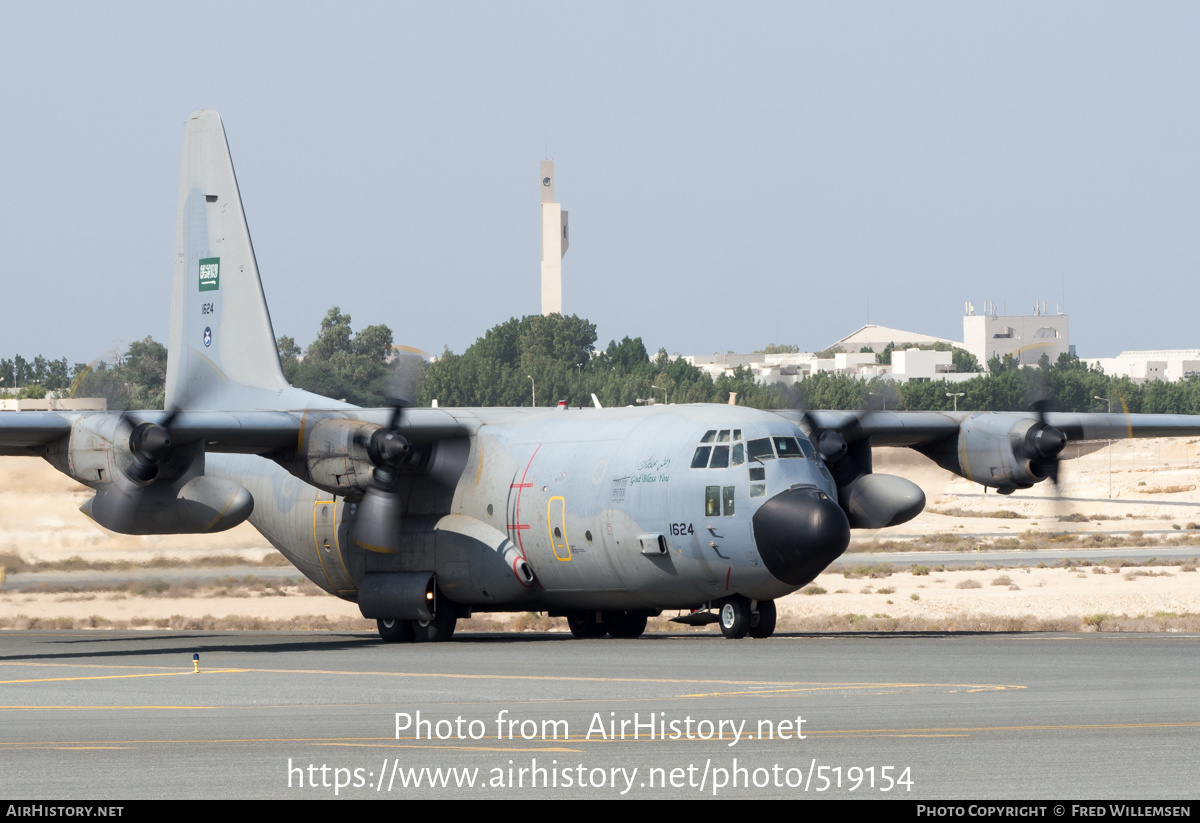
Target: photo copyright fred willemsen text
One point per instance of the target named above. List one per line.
(556, 772)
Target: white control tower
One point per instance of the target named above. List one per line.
(554, 242)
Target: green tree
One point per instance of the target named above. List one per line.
(342, 364)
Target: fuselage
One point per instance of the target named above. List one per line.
(645, 508)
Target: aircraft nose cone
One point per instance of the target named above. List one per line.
(798, 533)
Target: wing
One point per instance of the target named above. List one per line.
(923, 428)
(24, 433)
(1004, 450)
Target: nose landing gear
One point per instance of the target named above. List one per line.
(739, 617)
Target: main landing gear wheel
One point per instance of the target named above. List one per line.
(625, 625)
(395, 631)
(762, 622)
(585, 626)
(735, 617)
(439, 629)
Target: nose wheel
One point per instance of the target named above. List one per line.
(738, 618)
(762, 622)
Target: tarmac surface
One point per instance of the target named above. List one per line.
(121, 715)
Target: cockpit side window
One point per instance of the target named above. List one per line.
(739, 454)
(712, 501)
(760, 449)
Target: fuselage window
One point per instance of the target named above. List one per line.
(700, 458)
(708, 436)
(760, 449)
(727, 500)
(739, 454)
(720, 457)
(788, 447)
(758, 489)
(712, 501)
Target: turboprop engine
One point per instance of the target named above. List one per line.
(1001, 451)
(144, 482)
(871, 501)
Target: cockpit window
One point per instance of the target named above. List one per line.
(700, 458)
(788, 447)
(739, 454)
(708, 436)
(720, 457)
(723, 436)
(760, 449)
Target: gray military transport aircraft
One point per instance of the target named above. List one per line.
(423, 515)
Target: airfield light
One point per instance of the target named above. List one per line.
(196, 662)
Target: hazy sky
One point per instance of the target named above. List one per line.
(736, 174)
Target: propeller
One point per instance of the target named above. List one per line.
(1045, 444)
(382, 510)
(833, 445)
(150, 446)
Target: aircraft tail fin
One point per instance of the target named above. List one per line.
(221, 350)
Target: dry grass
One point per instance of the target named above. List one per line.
(1030, 540)
(229, 586)
(1001, 514)
(15, 564)
(531, 622)
(1166, 489)
(969, 584)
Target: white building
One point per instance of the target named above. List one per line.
(788, 369)
(877, 338)
(1025, 337)
(1169, 365)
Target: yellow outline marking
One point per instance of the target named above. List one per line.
(337, 550)
(550, 529)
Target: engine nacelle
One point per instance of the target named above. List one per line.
(334, 458)
(876, 501)
(158, 490)
(199, 506)
(1004, 452)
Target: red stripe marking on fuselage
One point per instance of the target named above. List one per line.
(727, 574)
(517, 508)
